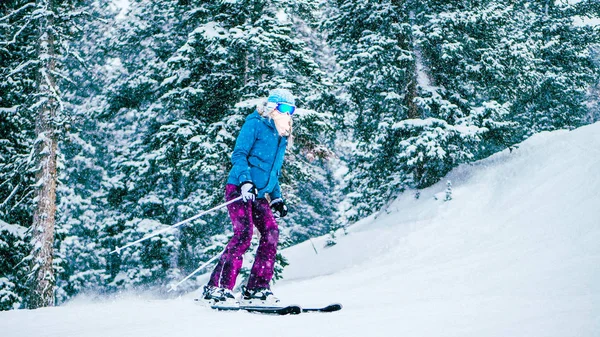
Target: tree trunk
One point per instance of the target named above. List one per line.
(411, 89)
(411, 94)
(42, 274)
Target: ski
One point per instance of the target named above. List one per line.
(329, 308)
(280, 310)
(287, 310)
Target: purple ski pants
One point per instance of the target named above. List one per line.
(244, 216)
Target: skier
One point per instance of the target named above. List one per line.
(257, 159)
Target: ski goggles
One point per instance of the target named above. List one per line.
(283, 108)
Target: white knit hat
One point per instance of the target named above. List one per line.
(281, 96)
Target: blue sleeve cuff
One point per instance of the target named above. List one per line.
(244, 177)
(276, 194)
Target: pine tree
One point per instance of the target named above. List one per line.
(517, 56)
(139, 183)
(16, 137)
(373, 44)
(477, 71)
(38, 24)
(16, 128)
(565, 67)
(39, 41)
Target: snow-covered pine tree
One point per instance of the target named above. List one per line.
(564, 66)
(80, 256)
(448, 191)
(477, 64)
(496, 64)
(373, 45)
(17, 86)
(137, 190)
(16, 125)
(35, 31)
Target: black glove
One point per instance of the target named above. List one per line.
(279, 208)
(248, 191)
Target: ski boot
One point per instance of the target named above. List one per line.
(260, 297)
(219, 297)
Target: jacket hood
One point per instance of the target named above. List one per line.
(266, 120)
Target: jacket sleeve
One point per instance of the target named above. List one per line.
(241, 151)
(276, 192)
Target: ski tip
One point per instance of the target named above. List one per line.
(330, 308)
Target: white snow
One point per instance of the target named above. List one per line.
(585, 21)
(579, 20)
(515, 253)
(122, 6)
(423, 78)
(10, 110)
(14, 230)
(253, 102)
(282, 17)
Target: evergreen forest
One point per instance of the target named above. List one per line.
(118, 119)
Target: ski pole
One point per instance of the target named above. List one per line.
(174, 286)
(175, 225)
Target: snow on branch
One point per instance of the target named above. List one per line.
(16, 230)
(10, 196)
(6, 17)
(14, 39)
(10, 110)
(21, 66)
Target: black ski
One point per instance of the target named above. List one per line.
(287, 310)
(329, 308)
(283, 310)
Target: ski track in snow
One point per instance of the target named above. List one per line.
(515, 253)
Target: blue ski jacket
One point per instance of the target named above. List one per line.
(258, 156)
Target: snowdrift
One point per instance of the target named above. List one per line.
(515, 252)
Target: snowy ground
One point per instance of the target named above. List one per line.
(515, 253)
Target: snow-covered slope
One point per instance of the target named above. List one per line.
(516, 252)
